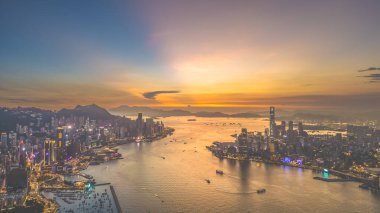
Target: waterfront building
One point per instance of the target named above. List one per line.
(139, 125)
(242, 142)
(272, 121)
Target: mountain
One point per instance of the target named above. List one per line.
(315, 117)
(245, 115)
(147, 111)
(92, 111)
(210, 114)
(152, 112)
(10, 117)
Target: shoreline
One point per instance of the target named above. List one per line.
(115, 199)
(344, 176)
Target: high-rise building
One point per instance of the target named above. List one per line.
(139, 125)
(4, 140)
(47, 151)
(283, 128)
(242, 140)
(59, 145)
(300, 128)
(53, 151)
(290, 125)
(272, 121)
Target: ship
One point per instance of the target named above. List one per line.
(262, 190)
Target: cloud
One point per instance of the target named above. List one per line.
(369, 69)
(153, 94)
(374, 77)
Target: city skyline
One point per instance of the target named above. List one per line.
(292, 54)
(189, 106)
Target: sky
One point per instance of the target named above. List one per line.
(212, 53)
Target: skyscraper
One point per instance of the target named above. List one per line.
(4, 140)
(59, 144)
(139, 125)
(300, 128)
(272, 121)
(47, 151)
(53, 151)
(290, 126)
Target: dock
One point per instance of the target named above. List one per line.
(331, 179)
(115, 199)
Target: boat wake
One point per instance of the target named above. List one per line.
(236, 192)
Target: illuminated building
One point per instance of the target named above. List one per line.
(300, 128)
(60, 146)
(283, 128)
(53, 151)
(242, 140)
(4, 140)
(290, 126)
(47, 151)
(272, 121)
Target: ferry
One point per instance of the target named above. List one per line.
(262, 190)
(220, 172)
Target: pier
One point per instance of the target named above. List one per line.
(115, 199)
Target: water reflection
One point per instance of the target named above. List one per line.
(244, 168)
(179, 180)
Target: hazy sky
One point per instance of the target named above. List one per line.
(242, 53)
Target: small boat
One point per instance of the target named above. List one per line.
(208, 181)
(262, 190)
(219, 172)
(93, 163)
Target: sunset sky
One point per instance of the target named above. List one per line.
(210, 53)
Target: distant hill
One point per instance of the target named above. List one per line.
(9, 117)
(92, 111)
(245, 115)
(316, 117)
(152, 112)
(147, 111)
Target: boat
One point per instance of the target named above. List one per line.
(208, 181)
(262, 190)
(364, 186)
(93, 163)
(192, 119)
(220, 172)
(163, 157)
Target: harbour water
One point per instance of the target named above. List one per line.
(169, 176)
